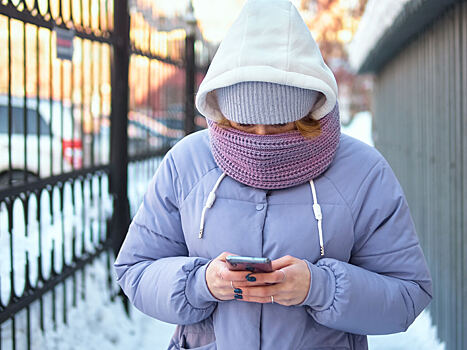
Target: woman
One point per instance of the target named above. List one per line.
(273, 177)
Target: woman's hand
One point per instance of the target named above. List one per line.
(291, 282)
(220, 279)
(217, 275)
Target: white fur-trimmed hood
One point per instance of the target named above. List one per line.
(268, 42)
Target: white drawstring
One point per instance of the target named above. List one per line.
(318, 216)
(209, 203)
(316, 210)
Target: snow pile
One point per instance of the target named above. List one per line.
(421, 335)
(379, 15)
(53, 233)
(95, 324)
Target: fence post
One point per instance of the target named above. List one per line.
(190, 70)
(119, 124)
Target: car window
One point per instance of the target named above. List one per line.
(17, 117)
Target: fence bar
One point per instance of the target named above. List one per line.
(25, 115)
(119, 121)
(51, 181)
(40, 21)
(190, 83)
(10, 119)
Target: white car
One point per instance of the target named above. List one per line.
(50, 153)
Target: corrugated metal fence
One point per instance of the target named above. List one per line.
(420, 126)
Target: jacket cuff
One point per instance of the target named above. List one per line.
(322, 287)
(196, 290)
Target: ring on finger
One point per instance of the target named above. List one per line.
(272, 299)
(231, 284)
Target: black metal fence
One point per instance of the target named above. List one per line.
(87, 110)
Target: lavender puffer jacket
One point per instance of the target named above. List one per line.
(373, 278)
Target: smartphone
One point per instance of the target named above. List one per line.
(248, 263)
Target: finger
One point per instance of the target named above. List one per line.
(228, 290)
(229, 275)
(282, 262)
(243, 284)
(262, 291)
(251, 295)
(223, 255)
(262, 300)
(268, 277)
(267, 300)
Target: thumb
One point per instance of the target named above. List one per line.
(223, 255)
(282, 262)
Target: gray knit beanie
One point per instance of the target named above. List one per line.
(257, 102)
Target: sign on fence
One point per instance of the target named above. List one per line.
(64, 43)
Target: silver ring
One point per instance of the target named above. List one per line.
(272, 299)
(231, 284)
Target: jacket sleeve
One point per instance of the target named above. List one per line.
(386, 283)
(153, 267)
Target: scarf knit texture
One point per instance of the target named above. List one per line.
(278, 160)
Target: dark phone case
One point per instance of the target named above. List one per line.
(250, 266)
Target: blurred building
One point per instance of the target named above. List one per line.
(417, 51)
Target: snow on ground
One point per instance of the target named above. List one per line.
(421, 335)
(95, 324)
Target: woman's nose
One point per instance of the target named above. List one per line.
(260, 130)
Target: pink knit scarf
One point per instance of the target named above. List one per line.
(278, 160)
